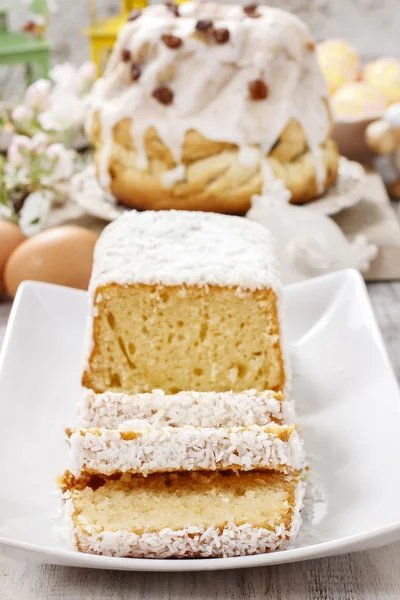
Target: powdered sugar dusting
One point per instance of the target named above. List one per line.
(185, 248)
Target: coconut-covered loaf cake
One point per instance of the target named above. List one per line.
(203, 104)
(184, 301)
(184, 515)
(181, 480)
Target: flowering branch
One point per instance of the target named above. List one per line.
(57, 107)
(33, 177)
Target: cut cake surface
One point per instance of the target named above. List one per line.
(138, 448)
(184, 515)
(184, 301)
(198, 409)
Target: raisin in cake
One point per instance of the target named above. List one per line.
(184, 301)
(203, 105)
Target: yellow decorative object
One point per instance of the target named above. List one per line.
(103, 34)
(384, 73)
(358, 100)
(339, 62)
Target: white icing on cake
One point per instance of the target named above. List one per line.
(168, 178)
(209, 81)
(319, 169)
(198, 409)
(185, 448)
(249, 156)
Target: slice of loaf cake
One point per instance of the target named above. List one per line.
(184, 515)
(184, 301)
(138, 448)
(198, 409)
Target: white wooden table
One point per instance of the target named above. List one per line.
(373, 575)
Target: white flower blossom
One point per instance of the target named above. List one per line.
(67, 111)
(88, 71)
(59, 106)
(62, 161)
(15, 154)
(35, 211)
(55, 120)
(65, 76)
(22, 114)
(86, 75)
(16, 176)
(77, 81)
(33, 163)
(37, 95)
(39, 142)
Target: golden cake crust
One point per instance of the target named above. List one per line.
(215, 179)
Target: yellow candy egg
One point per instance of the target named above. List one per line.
(339, 62)
(384, 74)
(358, 100)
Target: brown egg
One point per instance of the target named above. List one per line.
(10, 237)
(62, 255)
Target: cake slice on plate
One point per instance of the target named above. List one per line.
(199, 409)
(184, 301)
(138, 448)
(184, 515)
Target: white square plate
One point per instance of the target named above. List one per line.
(343, 383)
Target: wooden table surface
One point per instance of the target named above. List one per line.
(372, 575)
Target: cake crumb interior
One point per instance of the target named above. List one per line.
(180, 500)
(176, 338)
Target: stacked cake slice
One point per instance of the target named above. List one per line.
(208, 472)
(134, 448)
(199, 409)
(182, 491)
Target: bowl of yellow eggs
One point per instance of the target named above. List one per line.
(360, 93)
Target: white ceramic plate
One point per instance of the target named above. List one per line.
(345, 388)
(347, 191)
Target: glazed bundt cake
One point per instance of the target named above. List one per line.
(203, 105)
